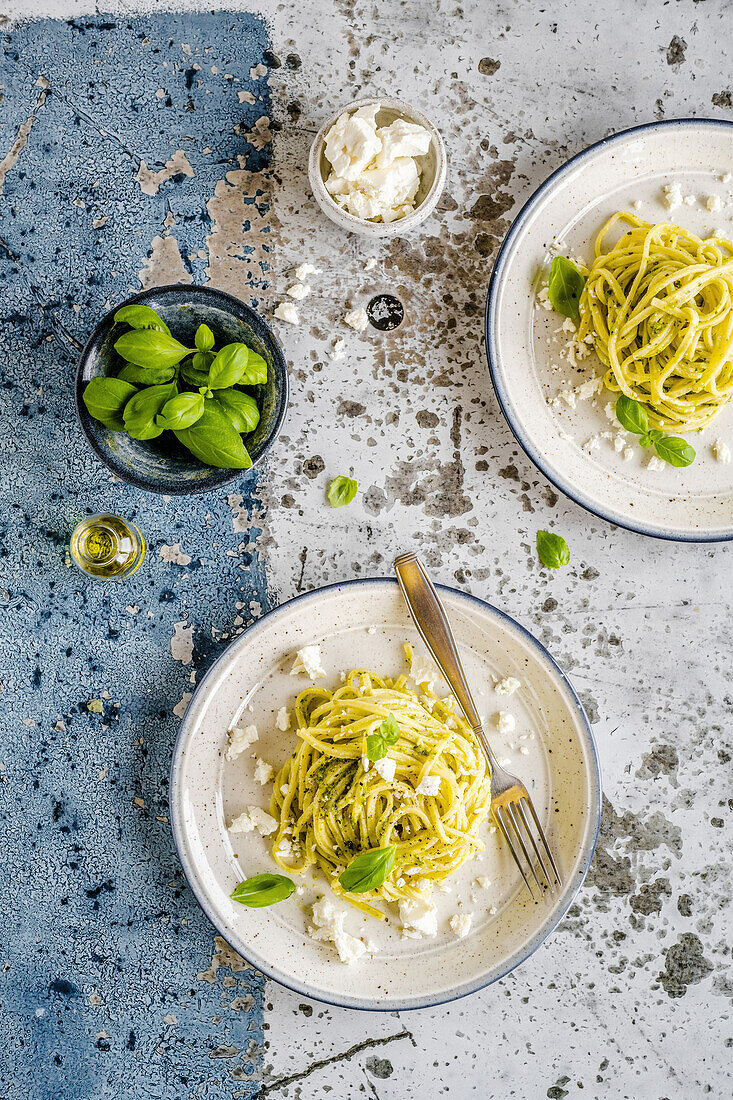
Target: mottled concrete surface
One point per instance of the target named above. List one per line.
(109, 988)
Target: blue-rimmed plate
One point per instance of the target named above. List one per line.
(573, 437)
(363, 624)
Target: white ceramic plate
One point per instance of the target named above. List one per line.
(524, 341)
(251, 681)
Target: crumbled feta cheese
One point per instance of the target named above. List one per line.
(357, 319)
(419, 917)
(507, 686)
(239, 740)
(337, 349)
(721, 451)
(386, 768)
(253, 818)
(328, 927)
(460, 924)
(302, 271)
(725, 178)
(714, 203)
(423, 672)
(429, 785)
(286, 311)
(690, 200)
(308, 660)
(283, 719)
(543, 297)
(655, 463)
(263, 771)
(371, 630)
(365, 762)
(593, 444)
(483, 882)
(505, 722)
(636, 204)
(671, 196)
(298, 291)
(628, 454)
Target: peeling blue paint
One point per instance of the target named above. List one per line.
(107, 939)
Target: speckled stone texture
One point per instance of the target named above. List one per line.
(631, 998)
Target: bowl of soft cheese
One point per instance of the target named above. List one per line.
(377, 167)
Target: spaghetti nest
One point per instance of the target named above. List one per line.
(659, 307)
(330, 807)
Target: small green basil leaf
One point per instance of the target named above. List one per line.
(255, 373)
(195, 371)
(674, 450)
(240, 408)
(565, 287)
(142, 409)
(376, 748)
(147, 376)
(651, 438)
(261, 890)
(341, 491)
(214, 440)
(141, 317)
(389, 730)
(204, 338)
(552, 550)
(368, 871)
(228, 367)
(632, 415)
(105, 399)
(181, 411)
(150, 348)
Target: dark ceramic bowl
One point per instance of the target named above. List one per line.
(163, 465)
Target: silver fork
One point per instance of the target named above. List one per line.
(510, 802)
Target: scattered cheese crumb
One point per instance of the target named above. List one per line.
(308, 661)
(419, 917)
(240, 738)
(721, 451)
(483, 882)
(428, 785)
(655, 463)
(298, 291)
(386, 767)
(254, 817)
(263, 771)
(357, 319)
(507, 686)
(714, 203)
(302, 271)
(460, 924)
(337, 350)
(671, 196)
(328, 927)
(505, 722)
(286, 311)
(283, 719)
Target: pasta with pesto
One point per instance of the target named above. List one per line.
(332, 803)
(658, 306)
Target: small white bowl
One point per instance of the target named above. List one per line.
(432, 168)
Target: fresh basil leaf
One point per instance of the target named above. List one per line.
(255, 373)
(552, 550)
(368, 871)
(214, 440)
(389, 730)
(147, 376)
(264, 889)
(181, 411)
(649, 439)
(565, 287)
(240, 408)
(632, 415)
(195, 371)
(150, 348)
(228, 367)
(137, 316)
(674, 450)
(341, 491)
(376, 748)
(142, 409)
(204, 338)
(105, 399)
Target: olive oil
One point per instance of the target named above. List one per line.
(107, 547)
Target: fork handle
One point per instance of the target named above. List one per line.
(432, 623)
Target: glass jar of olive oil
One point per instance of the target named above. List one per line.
(107, 547)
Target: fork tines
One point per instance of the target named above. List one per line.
(516, 828)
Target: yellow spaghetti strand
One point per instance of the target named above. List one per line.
(330, 807)
(659, 307)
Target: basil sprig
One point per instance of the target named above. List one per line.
(387, 734)
(632, 416)
(262, 890)
(368, 871)
(565, 287)
(552, 549)
(149, 395)
(341, 491)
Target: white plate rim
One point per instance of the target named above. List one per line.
(503, 259)
(418, 1001)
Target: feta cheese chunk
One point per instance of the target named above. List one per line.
(507, 686)
(283, 719)
(654, 464)
(253, 818)
(401, 139)
(328, 927)
(460, 924)
(302, 271)
(428, 785)
(671, 196)
(308, 661)
(714, 204)
(298, 291)
(239, 740)
(351, 143)
(263, 771)
(505, 722)
(357, 319)
(721, 451)
(386, 768)
(286, 311)
(419, 917)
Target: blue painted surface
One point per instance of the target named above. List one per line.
(106, 938)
